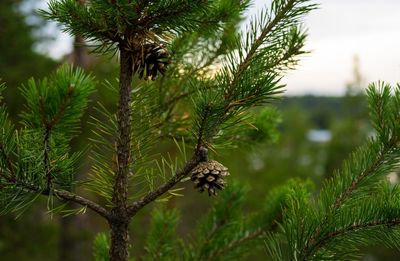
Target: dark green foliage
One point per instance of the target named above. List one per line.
(225, 233)
(18, 60)
(199, 49)
(161, 243)
(217, 229)
(347, 134)
(160, 113)
(37, 158)
(58, 102)
(252, 65)
(101, 247)
(322, 110)
(356, 207)
(265, 125)
(195, 105)
(111, 21)
(250, 76)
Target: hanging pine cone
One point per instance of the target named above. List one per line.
(149, 60)
(209, 176)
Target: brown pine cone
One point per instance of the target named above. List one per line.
(209, 176)
(149, 60)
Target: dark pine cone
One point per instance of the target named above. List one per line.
(209, 176)
(149, 60)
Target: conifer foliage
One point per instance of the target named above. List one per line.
(187, 75)
(355, 208)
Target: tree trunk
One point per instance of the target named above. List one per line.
(80, 55)
(120, 194)
(119, 240)
(119, 222)
(72, 227)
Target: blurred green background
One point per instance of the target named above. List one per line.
(315, 134)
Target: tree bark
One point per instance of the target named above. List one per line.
(124, 127)
(119, 240)
(119, 222)
(80, 55)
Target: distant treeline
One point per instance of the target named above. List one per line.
(323, 110)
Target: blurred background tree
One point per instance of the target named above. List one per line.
(18, 58)
(18, 62)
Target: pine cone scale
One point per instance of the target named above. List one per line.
(209, 176)
(150, 61)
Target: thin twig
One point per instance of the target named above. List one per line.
(46, 157)
(48, 126)
(153, 195)
(69, 196)
(354, 227)
(9, 163)
(63, 194)
(250, 236)
(183, 95)
(63, 107)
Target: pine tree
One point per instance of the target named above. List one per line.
(185, 77)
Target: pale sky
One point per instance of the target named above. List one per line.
(338, 30)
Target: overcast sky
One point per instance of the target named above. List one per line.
(338, 31)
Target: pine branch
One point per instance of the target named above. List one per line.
(351, 206)
(258, 42)
(238, 236)
(160, 242)
(48, 124)
(46, 157)
(284, 11)
(370, 171)
(387, 142)
(355, 227)
(251, 75)
(234, 244)
(249, 236)
(10, 165)
(184, 95)
(378, 162)
(69, 196)
(63, 194)
(153, 195)
(63, 107)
